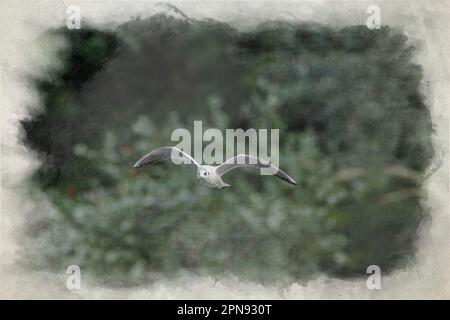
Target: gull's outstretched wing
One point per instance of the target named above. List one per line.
(164, 153)
(243, 160)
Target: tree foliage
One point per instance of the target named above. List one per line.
(354, 130)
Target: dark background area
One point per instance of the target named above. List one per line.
(354, 132)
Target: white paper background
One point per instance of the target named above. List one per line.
(22, 22)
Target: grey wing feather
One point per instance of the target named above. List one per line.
(248, 160)
(164, 153)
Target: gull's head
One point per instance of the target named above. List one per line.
(202, 173)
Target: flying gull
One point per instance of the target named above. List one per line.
(210, 175)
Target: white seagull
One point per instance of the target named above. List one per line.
(210, 176)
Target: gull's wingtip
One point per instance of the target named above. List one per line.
(138, 164)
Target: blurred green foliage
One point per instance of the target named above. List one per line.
(355, 133)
